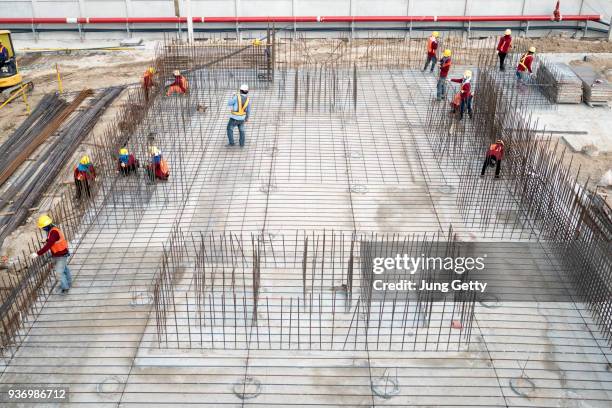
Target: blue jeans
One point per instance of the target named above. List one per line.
(61, 270)
(433, 61)
(522, 76)
(466, 103)
(441, 88)
(230, 131)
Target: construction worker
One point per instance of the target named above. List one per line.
(148, 81)
(241, 109)
(494, 156)
(126, 163)
(432, 46)
(4, 55)
(158, 167)
(466, 93)
(523, 70)
(179, 85)
(84, 173)
(57, 244)
(503, 48)
(445, 66)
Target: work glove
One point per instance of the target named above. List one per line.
(33, 255)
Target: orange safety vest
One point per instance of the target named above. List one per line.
(522, 61)
(241, 109)
(430, 42)
(61, 244)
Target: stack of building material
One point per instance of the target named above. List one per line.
(562, 84)
(595, 86)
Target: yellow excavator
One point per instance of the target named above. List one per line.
(11, 82)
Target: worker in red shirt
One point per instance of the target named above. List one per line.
(432, 47)
(84, 175)
(127, 162)
(445, 66)
(148, 81)
(179, 85)
(465, 92)
(57, 244)
(523, 69)
(494, 156)
(503, 48)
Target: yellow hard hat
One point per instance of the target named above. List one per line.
(177, 72)
(44, 221)
(155, 151)
(532, 49)
(151, 70)
(436, 34)
(257, 41)
(123, 151)
(508, 31)
(85, 160)
(447, 53)
(467, 73)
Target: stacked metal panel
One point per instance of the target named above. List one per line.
(596, 87)
(563, 85)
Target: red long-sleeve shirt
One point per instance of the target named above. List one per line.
(52, 238)
(89, 175)
(525, 63)
(181, 82)
(505, 43)
(466, 87)
(445, 66)
(496, 150)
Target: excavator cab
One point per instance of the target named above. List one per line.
(12, 84)
(9, 73)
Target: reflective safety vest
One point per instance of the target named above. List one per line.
(59, 245)
(241, 108)
(522, 61)
(430, 43)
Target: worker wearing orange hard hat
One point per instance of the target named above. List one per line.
(84, 175)
(57, 244)
(432, 47)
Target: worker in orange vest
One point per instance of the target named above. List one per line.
(494, 156)
(148, 81)
(158, 167)
(523, 70)
(179, 85)
(432, 47)
(84, 175)
(503, 48)
(57, 244)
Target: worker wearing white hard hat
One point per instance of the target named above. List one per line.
(240, 104)
(503, 48)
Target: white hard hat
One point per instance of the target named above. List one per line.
(508, 31)
(244, 87)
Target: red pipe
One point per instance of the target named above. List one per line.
(290, 19)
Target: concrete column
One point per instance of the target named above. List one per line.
(236, 8)
(293, 6)
(408, 11)
(351, 14)
(189, 20)
(128, 13)
(610, 31)
(33, 16)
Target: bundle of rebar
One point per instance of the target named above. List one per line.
(595, 86)
(564, 86)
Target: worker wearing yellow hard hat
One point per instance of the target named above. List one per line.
(432, 47)
(503, 48)
(524, 69)
(57, 244)
(445, 66)
(148, 81)
(84, 176)
(126, 163)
